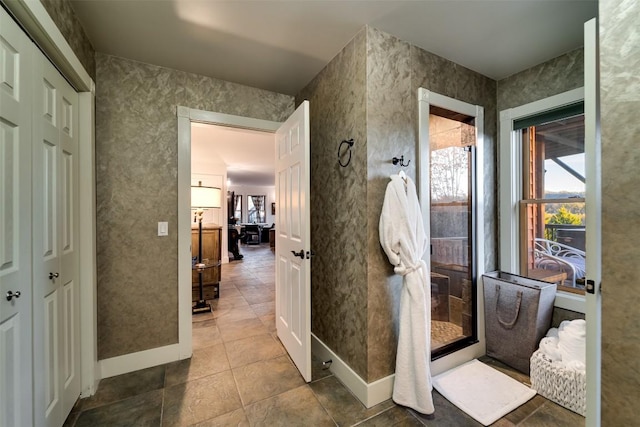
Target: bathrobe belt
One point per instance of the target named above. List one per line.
(404, 270)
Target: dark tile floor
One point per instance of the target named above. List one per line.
(240, 375)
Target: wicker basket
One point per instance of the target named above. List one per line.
(566, 387)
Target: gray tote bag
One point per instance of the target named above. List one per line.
(518, 313)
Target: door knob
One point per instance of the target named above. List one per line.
(53, 275)
(300, 254)
(11, 295)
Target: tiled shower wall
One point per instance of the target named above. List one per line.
(620, 127)
(136, 187)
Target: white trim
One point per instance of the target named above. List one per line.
(370, 394)
(185, 116)
(184, 235)
(593, 148)
(87, 262)
(36, 20)
(570, 301)
(510, 177)
(38, 24)
(425, 99)
(213, 118)
(140, 360)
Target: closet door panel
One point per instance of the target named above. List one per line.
(46, 261)
(55, 266)
(15, 225)
(69, 268)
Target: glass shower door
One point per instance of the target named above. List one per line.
(451, 147)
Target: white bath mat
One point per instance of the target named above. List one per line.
(484, 393)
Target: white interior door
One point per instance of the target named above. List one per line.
(293, 272)
(15, 225)
(56, 341)
(593, 172)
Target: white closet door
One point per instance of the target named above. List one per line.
(15, 225)
(55, 267)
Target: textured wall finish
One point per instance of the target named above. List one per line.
(136, 180)
(555, 76)
(620, 133)
(390, 133)
(339, 205)
(65, 19)
(355, 293)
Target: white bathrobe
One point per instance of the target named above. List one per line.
(404, 241)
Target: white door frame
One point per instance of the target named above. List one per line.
(187, 115)
(594, 221)
(425, 99)
(38, 24)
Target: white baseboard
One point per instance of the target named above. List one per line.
(141, 360)
(370, 394)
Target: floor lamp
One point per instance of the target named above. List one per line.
(203, 198)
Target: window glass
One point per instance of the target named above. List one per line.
(453, 315)
(552, 212)
(255, 209)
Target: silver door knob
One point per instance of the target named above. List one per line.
(53, 275)
(11, 295)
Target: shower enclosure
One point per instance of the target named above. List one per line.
(450, 143)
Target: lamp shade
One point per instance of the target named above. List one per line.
(205, 197)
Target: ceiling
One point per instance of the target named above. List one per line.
(280, 45)
(248, 155)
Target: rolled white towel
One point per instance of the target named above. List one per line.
(576, 366)
(549, 346)
(572, 342)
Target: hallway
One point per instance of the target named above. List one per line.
(240, 375)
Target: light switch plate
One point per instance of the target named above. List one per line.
(163, 229)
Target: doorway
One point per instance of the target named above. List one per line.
(186, 118)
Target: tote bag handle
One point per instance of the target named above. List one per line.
(508, 325)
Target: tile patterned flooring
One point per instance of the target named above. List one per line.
(240, 375)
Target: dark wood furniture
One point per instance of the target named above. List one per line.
(211, 256)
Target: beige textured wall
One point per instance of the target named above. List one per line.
(338, 200)
(620, 127)
(542, 81)
(396, 70)
(65, 19)
(369, 92)
(390, 133)
(136, 180)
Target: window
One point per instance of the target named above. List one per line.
(542, 198)
(552, 209)
(237, 207)
(255, 206)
